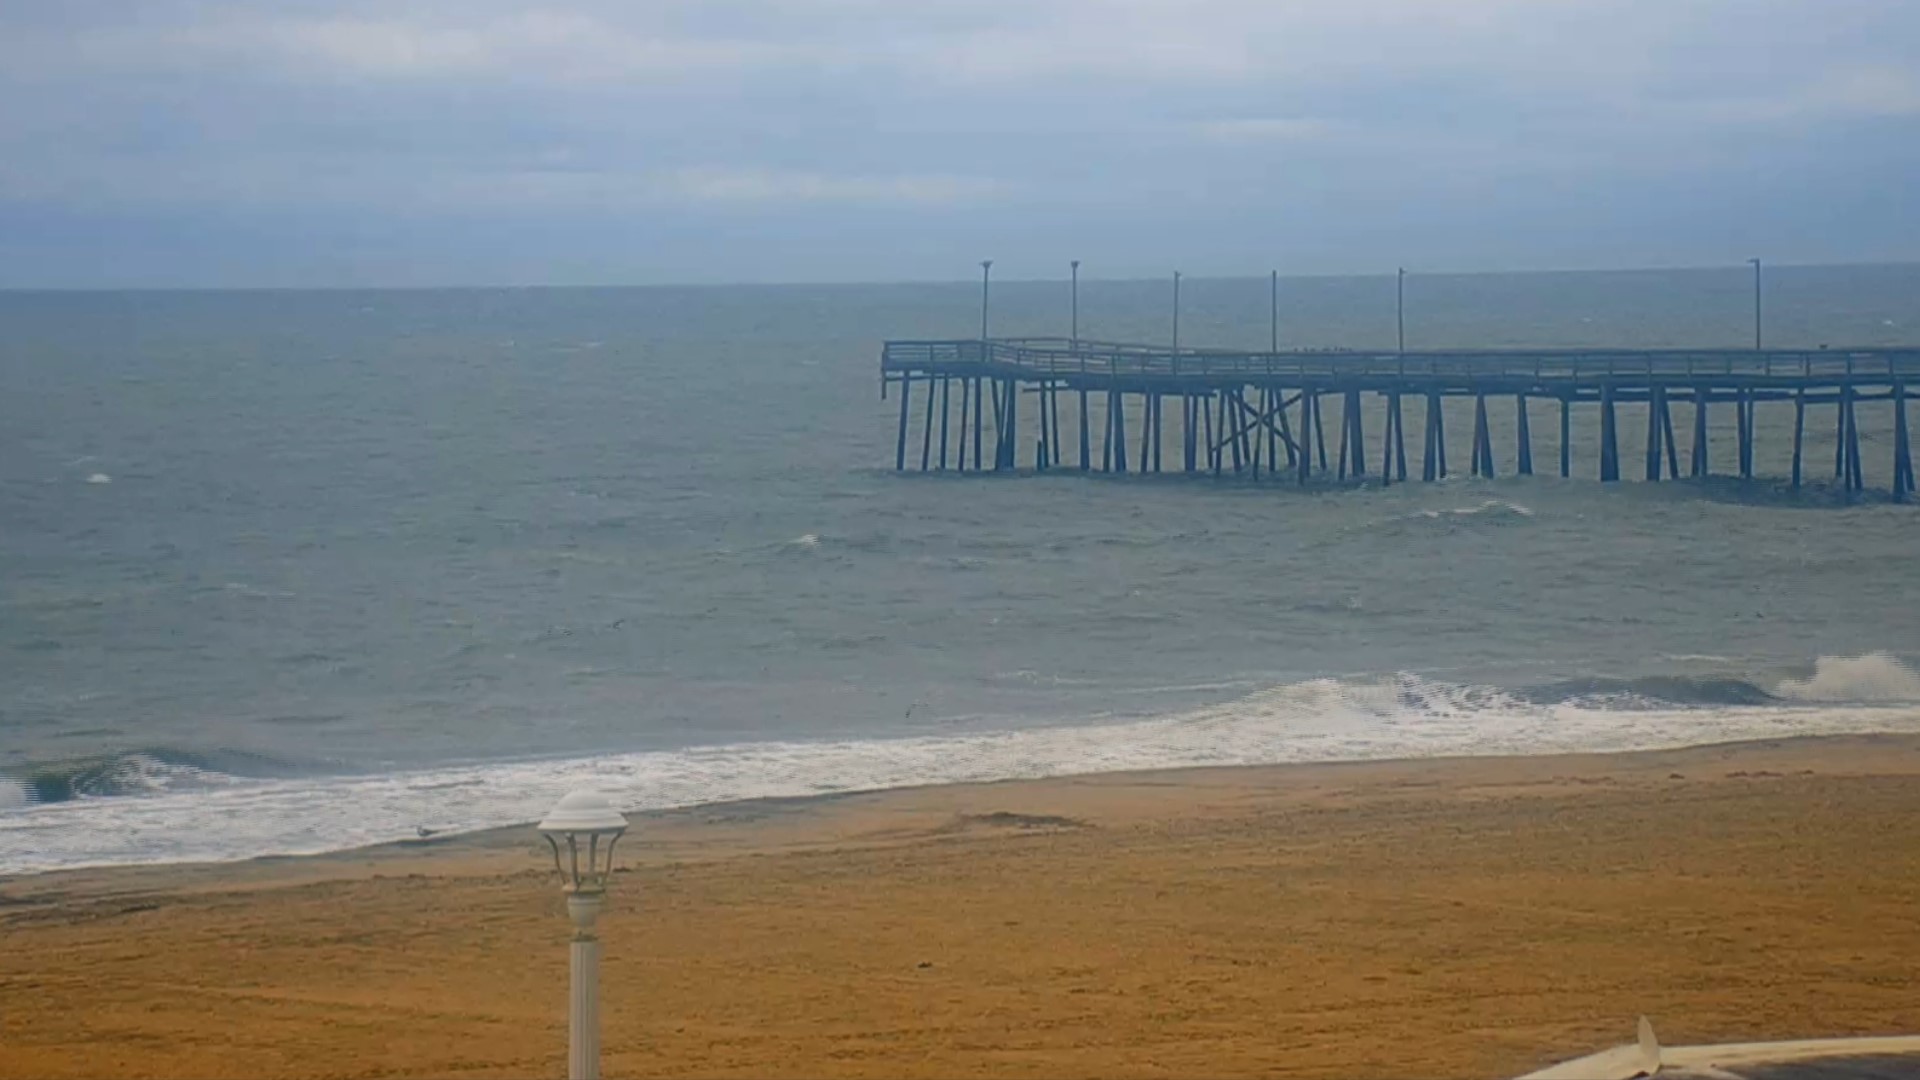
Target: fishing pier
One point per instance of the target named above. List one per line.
(997, 405)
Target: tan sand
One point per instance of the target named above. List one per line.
(1436, 918)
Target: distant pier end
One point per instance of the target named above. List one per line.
(995, 404)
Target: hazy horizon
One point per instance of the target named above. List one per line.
(1188, 278)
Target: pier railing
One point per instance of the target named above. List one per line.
(1063, 358)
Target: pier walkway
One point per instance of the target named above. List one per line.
(1264, 413)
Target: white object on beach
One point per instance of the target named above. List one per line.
(586, 824)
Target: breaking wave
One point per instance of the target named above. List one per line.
(157, 807)
(1877, 677)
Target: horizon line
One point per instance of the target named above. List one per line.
(1388, 274)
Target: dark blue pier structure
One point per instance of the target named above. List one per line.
(1265, 414)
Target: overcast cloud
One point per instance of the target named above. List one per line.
(341, 142)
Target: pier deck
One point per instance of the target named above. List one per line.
(1247, 412)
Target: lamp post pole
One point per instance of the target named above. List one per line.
(1756, 304)
(1273, 344)
(986, 270)
(583, 999)
(1075, 333)
(584, 825)
(1400, 307)
(1176, 313)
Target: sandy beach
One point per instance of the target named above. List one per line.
(1464, 917)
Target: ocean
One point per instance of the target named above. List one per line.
(291, 572)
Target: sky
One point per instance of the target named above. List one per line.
(344, 143)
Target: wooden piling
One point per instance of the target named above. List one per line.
(1307, 411)
(1434, 464)
(900, 443)
(1208, 409)
(1086, 448)
(1799, 431)
(1346, 435)
(1053, 420)
(1399, 436)
(1356, 432)
(1319, 432)
(1482, 439)
(1189, 435)
(1854, 480)
(926, 431)
(979, 411)
(1045, 448)
(1700, 466)
(1902, 450)
(1609, 436)
(1666, 432)
(1566, 436)
(1744, 404)
(1653, 433)
(1523, 437)
(946, 410)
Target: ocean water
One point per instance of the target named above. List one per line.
(296, 571)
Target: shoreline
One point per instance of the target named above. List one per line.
(493, 841)
(476, 849)
(1440, 916)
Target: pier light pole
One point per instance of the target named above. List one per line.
(1176, 312)
(986, 270)
(1274, 344)
(1756, 304)
(581, 829)
(1400, 307)
(1075, 267)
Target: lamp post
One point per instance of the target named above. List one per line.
(581, 829)
(1756, 304)
(1075, 267)
(1176, 313)
(1273, 288)
(1400, 308)
(986, 269)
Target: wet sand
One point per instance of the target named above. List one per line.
(1468, 917)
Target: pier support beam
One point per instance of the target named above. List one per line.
(1352, 448)
(1566, 437)
(1319, 433)
(1482, 439)
(1609, 437)
(1799, 431)
(1086, 448)
(1666, 432)
(1043, 452)
(979, 414)
(946, 411)
(1308, 409)
(1744, 404)
(1433, 465)
(1902, 449)
(926, 430)
(1656, 410)
(1700, 467)
(1523, 436)
(1855, 483)
(900, 441)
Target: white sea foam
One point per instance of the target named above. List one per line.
(99, 478)
(1875, 677)
(1316, 720)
